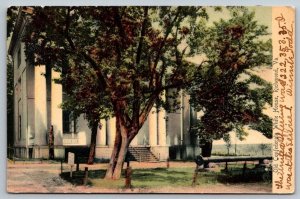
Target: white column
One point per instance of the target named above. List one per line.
(111, 131)
(162, 130)
(40, 111)
(153, 127)
(56, 111)
(187, 120)
(101, 134)
(30, 104)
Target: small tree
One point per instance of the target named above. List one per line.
(227, 140)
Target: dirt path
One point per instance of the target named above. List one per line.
(44, 178)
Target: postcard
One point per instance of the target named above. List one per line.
(151, 99)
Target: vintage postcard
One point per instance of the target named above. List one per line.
(151, 99)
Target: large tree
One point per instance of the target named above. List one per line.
(225, 90)
(115, 61)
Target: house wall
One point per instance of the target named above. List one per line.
(20, 111)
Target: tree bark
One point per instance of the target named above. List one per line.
(114, 155)
(121, 158)
(93, 144)
(121, 145)
(206, 150)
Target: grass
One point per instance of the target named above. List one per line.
(172, 177)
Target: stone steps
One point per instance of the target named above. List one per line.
(142, 154)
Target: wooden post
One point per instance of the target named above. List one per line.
(86, 175)
(128, 178)
(128, 163)
(244, 168)
(195, 176)
(226, 166)
(168, 163)
(61, 166)
(71, 171)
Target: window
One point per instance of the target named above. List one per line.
(69, 122)
(66, 121)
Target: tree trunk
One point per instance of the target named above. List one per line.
(51, 143)
(121, 158)
(121, 145)
(206, 151)
(114, 155)
(93, 144)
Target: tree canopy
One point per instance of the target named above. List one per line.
(115, 61)
(225, 90)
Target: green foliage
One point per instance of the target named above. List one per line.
(114, 60)
(10, 100)
(224, 88)
(12, 13)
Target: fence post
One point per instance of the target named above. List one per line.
(128, 178)
(86, 175)
(195, 175)
(244, 168)
(61, 166)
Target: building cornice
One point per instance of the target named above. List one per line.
(19, 28)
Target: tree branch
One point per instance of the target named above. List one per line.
(103, 83)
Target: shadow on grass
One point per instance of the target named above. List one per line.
(77, 176)
(249, 176)
(160, 177)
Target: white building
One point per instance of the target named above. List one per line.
(37, 100)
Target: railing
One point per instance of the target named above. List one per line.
(70, 139)
(79, 138)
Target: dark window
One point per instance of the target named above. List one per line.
(66, 121)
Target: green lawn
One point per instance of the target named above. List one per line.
(172, 177)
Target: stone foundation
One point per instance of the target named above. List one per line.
(39, 152)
